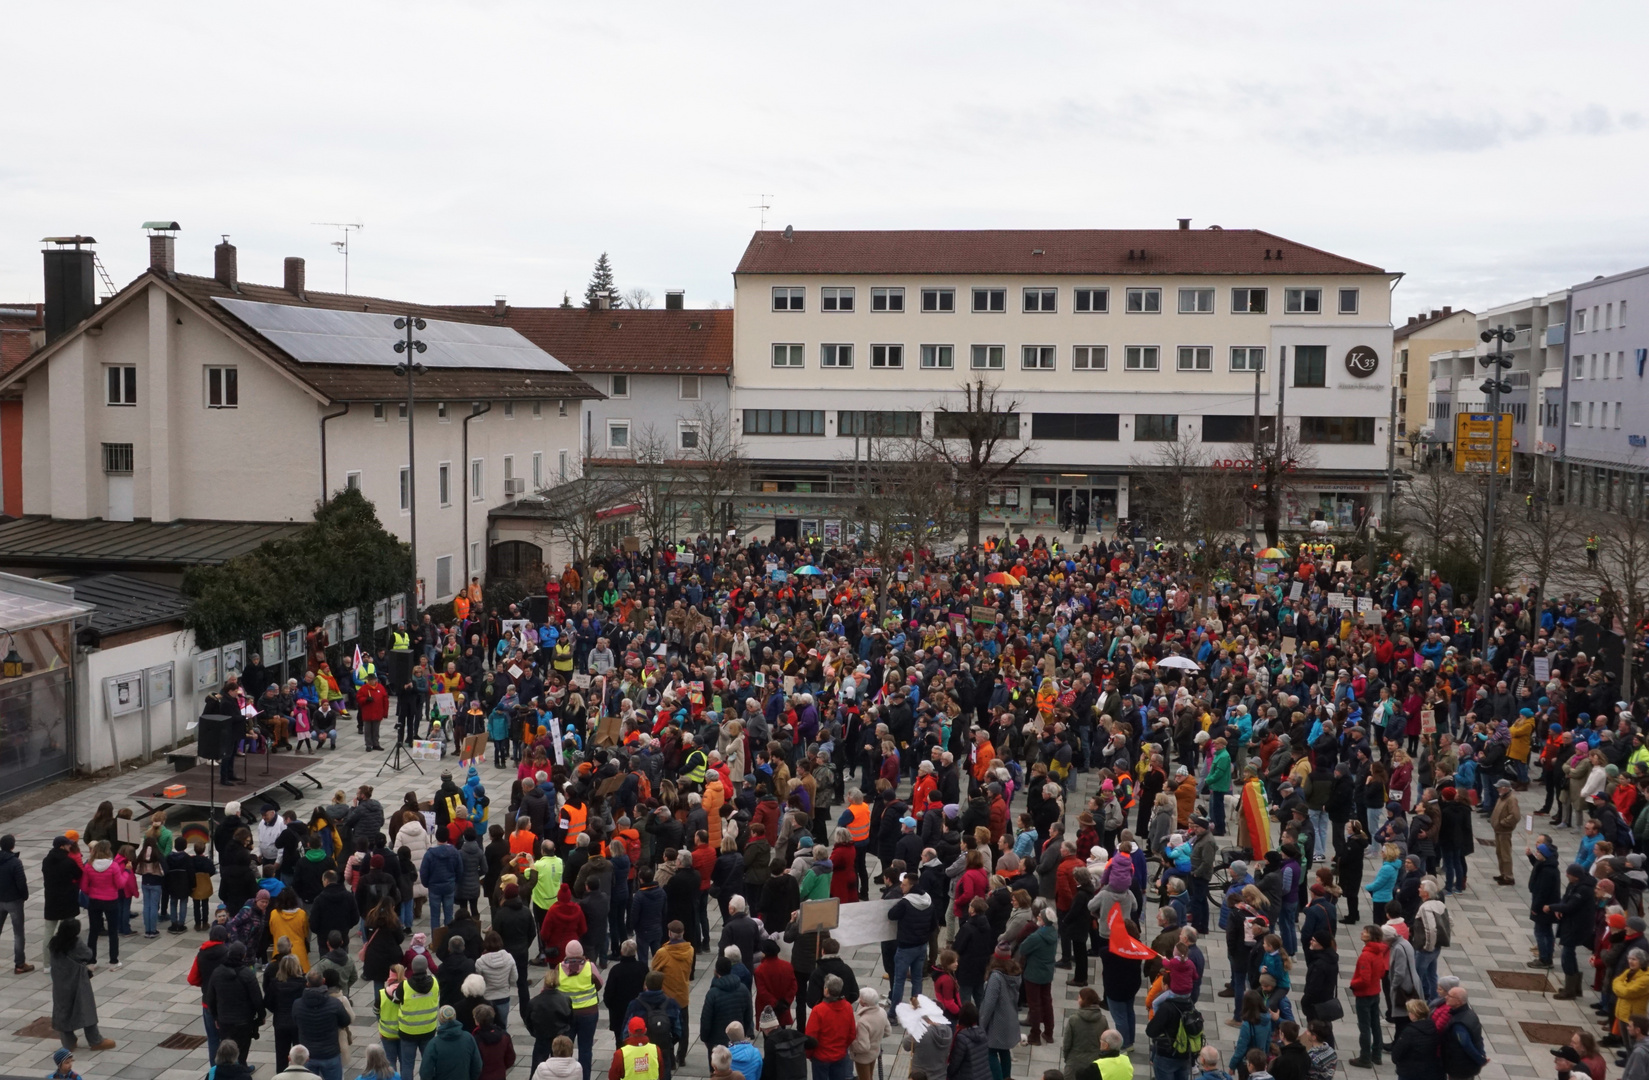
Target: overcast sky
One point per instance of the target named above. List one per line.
(1491, 151)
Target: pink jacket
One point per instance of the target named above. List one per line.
(104, 879)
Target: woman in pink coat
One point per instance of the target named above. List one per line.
(104, 883)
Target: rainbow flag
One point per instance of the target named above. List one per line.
(1256, 817)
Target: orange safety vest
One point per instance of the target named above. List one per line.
(523, 842)
(573, 819)
(859, 827)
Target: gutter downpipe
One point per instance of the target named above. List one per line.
(326, 492)
(484, 410)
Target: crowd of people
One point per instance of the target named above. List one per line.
(1020, 750)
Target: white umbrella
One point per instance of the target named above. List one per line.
(1183, 662)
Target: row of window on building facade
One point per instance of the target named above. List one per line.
(1090, 427)
(1042, 299)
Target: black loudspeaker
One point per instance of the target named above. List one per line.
(538, 608)
(397, 669)
(209, 736)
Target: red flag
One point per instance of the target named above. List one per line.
(1122, 942)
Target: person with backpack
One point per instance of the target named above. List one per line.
(1176, 1037)
(1433, 932)
(1460, 1037)
(661, 1017)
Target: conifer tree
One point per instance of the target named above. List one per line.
(602, 284)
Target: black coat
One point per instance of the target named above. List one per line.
(1414, 1052)
(625, 981)
(61, 876)
(1292, 1063)
(233, 997)
(1545, 888)
(383, 951)
(320, 1017)
(514, 924)
(681, 895)
(1577, 911)
(334, 909)
(975, 942)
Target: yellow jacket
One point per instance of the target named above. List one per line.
(1522, 730)
(675, 959)
(1631, 993)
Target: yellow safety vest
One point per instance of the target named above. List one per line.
(418, 1011)
(544, 891)
(563, 657)
(640, 1062)
(402, 640)
(388, 1015)
(580, 988)
(1117, 1067)
(859, 826)
(695, 763)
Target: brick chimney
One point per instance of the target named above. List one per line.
(1447, 310)
(500, 306)
(223, 264)
(1436, 314)
(163, 253)
(294, 275)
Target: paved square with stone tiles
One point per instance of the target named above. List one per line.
(149, 999)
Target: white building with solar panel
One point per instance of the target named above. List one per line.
(185, 404)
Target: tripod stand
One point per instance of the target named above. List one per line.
(393, 759)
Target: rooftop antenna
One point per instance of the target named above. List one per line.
(342, 245)
(764, 206)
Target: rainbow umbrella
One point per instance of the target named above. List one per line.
(194, 833)
(1273, 553)
(1002, 578)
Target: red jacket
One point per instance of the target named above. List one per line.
(919, 794)
(704, 861)
(1065, 883)
(373, 701)
(844, 878)
(1372, 963)
(831, 1025)
(775, 983)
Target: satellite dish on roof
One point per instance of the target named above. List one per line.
(790, 232)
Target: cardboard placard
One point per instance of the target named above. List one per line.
(474, 748)
(445, 704)
(1428, 722)
(1296, 591)
(609, 785)
(819, 594)
(427, 749)
(128, 831)
(1542, 669)
(1371, 617)
(1290, 646)
(1343, 566)
(982, 614)
(819, 915)
(606, 732)
(581, 679)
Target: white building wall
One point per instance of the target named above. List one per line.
(101, 740)
(261, 461)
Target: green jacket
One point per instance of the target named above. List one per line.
(1038, 952)
(451, 1055)
(1219, 773)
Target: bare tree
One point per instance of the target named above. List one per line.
(1430, 510)
(1277, 467)
(978, 437)
(904, 495)
(713, 470)
(1543, 543)
(578, 514)
(654, 481)
(638, 298)
(1194, 501)
(1621, 576)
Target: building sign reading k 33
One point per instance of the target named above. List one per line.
(1362, 361)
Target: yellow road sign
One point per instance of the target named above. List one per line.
(1480, 437)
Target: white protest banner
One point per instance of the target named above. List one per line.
(864, 923)
(1296, 591)
(1542, 669)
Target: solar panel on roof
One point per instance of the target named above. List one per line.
(324, 336)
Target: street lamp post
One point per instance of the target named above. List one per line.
(1493, 386)
(409, 347)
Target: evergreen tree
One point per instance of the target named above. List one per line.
(566, 300)
(602, 284)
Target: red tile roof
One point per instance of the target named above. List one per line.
(15, 339)
(690, 341)
(1040, 251)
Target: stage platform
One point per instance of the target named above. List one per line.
(254, 776)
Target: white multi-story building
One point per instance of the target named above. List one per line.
(1109, 342)
(205, 413)
(1456, 377)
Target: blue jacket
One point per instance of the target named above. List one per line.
(1253, 1036)
(442, 867)
(647, 913)
(654, 998)
(1385, 881)
(747, 1060)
